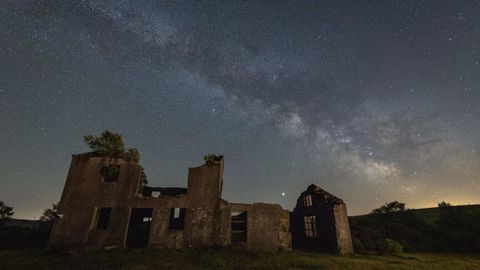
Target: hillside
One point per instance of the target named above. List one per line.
(445, 229)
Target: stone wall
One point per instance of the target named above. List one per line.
(207, 217)
(332, 230)
(84, 192)
(342, 232)
(268, 226)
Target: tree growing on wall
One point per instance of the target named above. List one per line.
(6, 212)
(390, 207)
(111, 144)
(211, 159)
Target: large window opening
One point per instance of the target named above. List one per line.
(239, 227)
(139, 227)
(310, 228)
(103, 218)
(110, 173)
(177, 219)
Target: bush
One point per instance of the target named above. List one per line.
(389, 247)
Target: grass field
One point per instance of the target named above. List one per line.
(225, 259)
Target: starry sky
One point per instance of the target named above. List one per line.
(373, 101)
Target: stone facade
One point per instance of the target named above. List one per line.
(320, 223)
(104, 205)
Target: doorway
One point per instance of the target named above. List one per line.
(139, 227)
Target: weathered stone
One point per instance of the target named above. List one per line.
(320, 222)
(177, 219)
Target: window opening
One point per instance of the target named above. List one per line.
(177, 219)
(103, 218)
(310, 228)
(239, 227)
(307, 200)
(110, 173)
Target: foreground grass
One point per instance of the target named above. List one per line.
(225, 259)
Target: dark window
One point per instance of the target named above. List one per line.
(103, 218)
(307, 200)
(177, 219)
(310, 229)
(239, 227)
(110, 173)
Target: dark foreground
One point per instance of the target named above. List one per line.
(225, 259)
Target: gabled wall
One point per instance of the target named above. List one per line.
(331, 222)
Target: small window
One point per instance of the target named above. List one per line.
(110, 173)
(103, 218)
(310, 228)
(307, 200)
(177, 219)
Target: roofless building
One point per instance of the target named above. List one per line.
(105, 205)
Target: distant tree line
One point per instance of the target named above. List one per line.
(13, 237)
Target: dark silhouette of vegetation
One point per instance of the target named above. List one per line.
(6, 212)
(50, 214)
(111, 144)
(444, 204)
(211, 159)
(390, 207)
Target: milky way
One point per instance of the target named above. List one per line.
(373, 101)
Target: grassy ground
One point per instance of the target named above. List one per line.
(224, 259)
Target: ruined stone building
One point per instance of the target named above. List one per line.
(320, 222)
(104, 204)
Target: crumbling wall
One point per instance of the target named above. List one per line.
(207, 219)
(344, 239)
(84, 191)
(268, 226)
(114, 235)
(202, 211)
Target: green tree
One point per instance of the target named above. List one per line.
(50, 214)
(6, 212)
(111, 145)
(132, 155)
(211, 159)
(390, 207)
(107, 144)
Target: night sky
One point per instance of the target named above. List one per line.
(373, 101)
